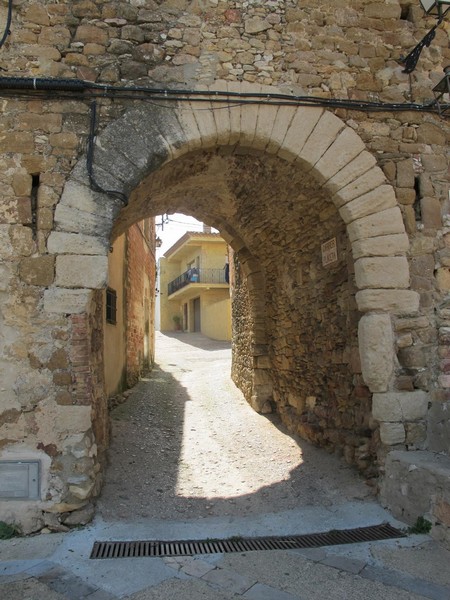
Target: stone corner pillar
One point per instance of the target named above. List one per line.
(376, 349)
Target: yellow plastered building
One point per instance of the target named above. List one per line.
(194, 287)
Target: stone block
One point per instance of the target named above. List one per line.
(385, 222)
(414, 484)
(392, 433)
(443, 279)
(434, 163)
(22, 184)
(386, 245)
(343, 150)
(431, 213)
(429, 133)
(376, 349)
(405, 173)
(322, 136)
(222, 115)
(399, 302)
(73, 271)
(367, 182)
(72, 419)
(281, 126)
(66, 301)
(355, 169)
(76, 243)
(38, 270)
(73, 220)
(382, 272)
(22, 240)
(400, 406)
(300, 128)
(375, 201)
(266, 119)
(16, 141)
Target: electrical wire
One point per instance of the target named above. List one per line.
(90, 159)
(79, 89)
(7, 30)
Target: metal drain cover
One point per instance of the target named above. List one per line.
(135, 549)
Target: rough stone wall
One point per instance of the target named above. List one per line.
(242, 362)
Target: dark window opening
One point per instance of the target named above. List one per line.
(417, 205)
(111, 306)
(35, 182)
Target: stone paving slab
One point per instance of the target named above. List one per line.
(264, 592)
(175, 589)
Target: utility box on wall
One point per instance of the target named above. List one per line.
(19, 480)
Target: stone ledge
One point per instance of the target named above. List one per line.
(418, 484)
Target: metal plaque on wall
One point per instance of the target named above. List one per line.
(19, 480)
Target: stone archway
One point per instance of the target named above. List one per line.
(311, 140)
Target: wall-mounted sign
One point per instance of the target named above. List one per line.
(329, 252)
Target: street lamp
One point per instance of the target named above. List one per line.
(442, 93)
(438, 9)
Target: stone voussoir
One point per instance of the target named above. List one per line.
(382, 272)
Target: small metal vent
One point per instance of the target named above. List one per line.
(237, 544)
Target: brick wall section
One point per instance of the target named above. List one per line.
(140, 285)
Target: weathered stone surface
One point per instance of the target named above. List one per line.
(74, 271)
(417, 483)
(399, 302)
(386, 245)
(376, 347)
(382, 272)
(38, 270)
(66, 301)
(74, 243)
(375, 201)
(395, 406)
(392, 433)
(74, 419)
(386, 222)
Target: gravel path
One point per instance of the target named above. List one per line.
(185, 444)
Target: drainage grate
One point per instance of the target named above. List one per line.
(237, 544)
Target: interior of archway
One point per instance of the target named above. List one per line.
(294, 319)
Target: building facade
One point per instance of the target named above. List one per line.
(294, 130)
(129, 308)
(194, 281)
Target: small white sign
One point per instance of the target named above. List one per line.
(329, 252)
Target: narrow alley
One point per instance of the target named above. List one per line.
(185, 443)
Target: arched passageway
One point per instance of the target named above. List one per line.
(313, 336)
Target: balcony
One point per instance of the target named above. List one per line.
(197, 276)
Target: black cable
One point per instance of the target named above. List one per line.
(90, 159)
(8, 24)
(78, 88)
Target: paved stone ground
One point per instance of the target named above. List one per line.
(221, 470)
(186, 443)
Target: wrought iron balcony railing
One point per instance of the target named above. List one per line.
(197, 276)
